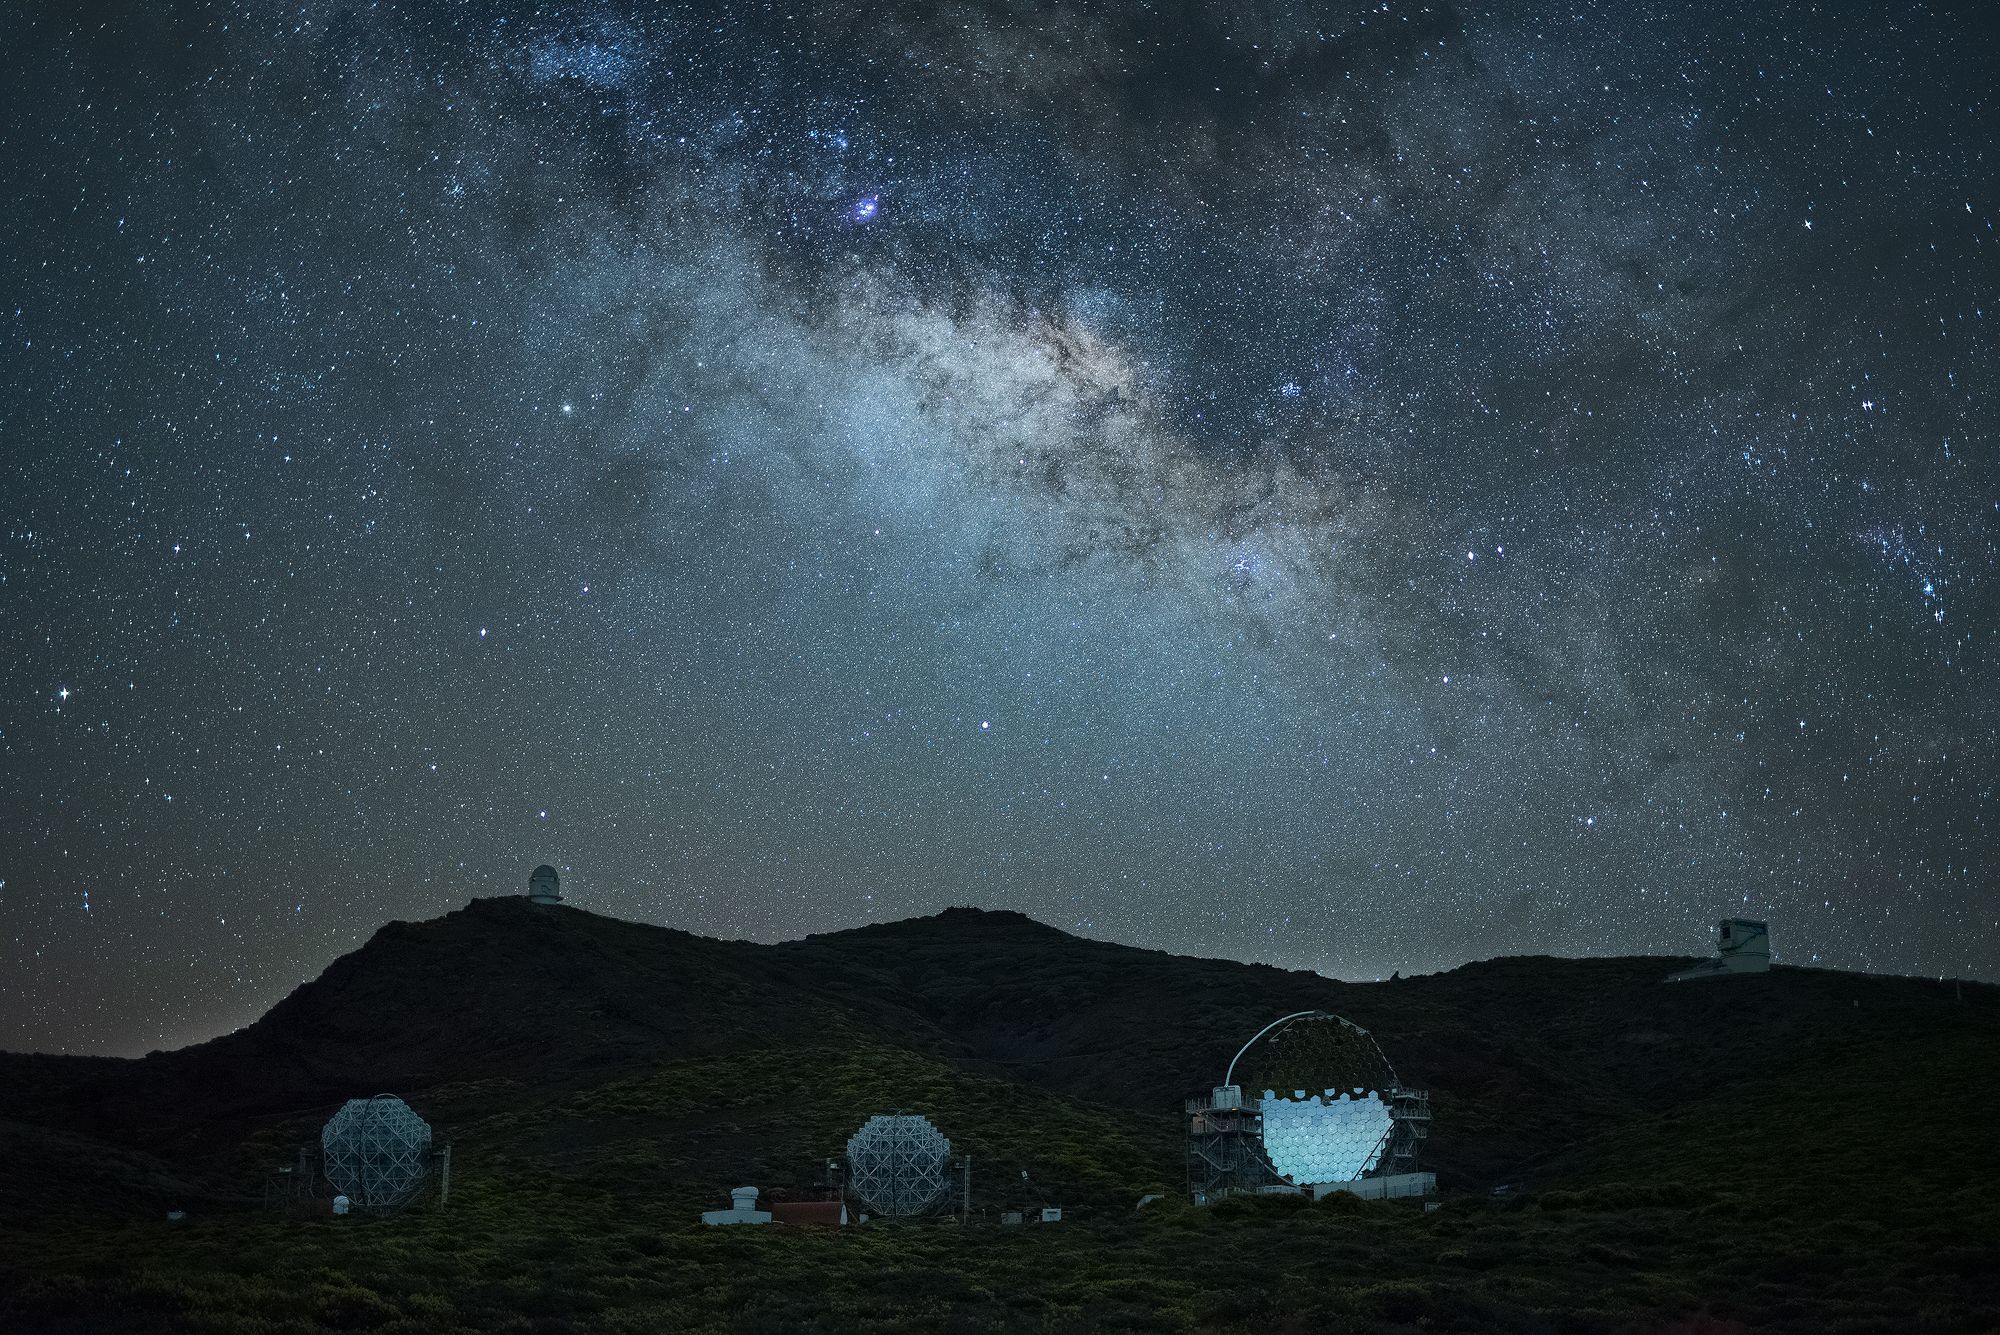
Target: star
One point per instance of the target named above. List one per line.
(883, 386)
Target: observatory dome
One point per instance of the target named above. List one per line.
(544, 886)
(377, 1151)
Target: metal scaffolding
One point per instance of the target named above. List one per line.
(900, 1165)
(1327, 1077)
(377, 1152)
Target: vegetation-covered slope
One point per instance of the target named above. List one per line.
(1797, 1151)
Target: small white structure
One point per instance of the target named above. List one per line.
(1052, 1214)
(544, 886)
(340, 1205)
(742, 1209)
(1744, 946)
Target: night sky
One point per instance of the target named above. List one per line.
(1360, 487)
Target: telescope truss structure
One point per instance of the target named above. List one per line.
(376, 1152)
(1318, 1104)
(900, 1166)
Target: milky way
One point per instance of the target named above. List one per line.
(1363, 488)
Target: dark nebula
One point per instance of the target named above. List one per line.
(1362, 487)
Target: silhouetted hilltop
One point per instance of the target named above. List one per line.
(1525, 1057)
(1520, 1053)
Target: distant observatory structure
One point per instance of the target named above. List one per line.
(900, 1165)
(377, 1152)
(1331, 1116)
(1743, 946)
(544, 886)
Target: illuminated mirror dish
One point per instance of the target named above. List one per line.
(1317, 1139)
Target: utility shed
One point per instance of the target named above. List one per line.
(820, 1214)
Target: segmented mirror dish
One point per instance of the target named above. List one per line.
(1326, 1099)
(377, 1152)
(899, 1164)
(1322, 1138)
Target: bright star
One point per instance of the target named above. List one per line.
(864, 209)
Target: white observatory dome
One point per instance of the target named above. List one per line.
(544, 886)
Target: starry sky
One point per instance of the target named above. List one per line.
(1362, 487)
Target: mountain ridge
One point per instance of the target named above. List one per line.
(1519, 1052)
(1615, 1153)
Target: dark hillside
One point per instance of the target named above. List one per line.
(1521, 1054)
(1524, 1056)
(499, 988)
(1686, 1155)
